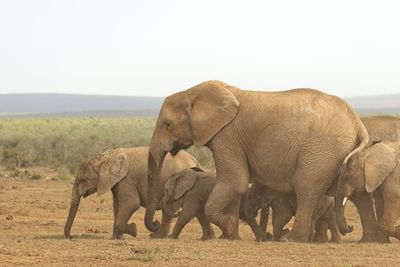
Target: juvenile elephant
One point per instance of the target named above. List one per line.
(124, 171)
(380, 128)
(283, 209)
(375, 168)
(299, 138)
(189, 189)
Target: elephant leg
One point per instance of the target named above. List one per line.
(321, 231)
(333, 227)
(280, 217)
(371, 230)
(164, 228)
(186, 215)
(208, 232)
(116, 233)
(264, 219)
(222, 209)
(258, 233)
(391, 213)
(128, 203)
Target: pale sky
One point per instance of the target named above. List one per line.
(156, 48)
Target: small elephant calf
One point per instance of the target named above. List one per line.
(284, 208)
(376, 168)
(189, 189)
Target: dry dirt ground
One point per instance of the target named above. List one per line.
(33, 213)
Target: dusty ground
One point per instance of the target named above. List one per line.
(33, 213)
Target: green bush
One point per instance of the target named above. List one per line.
(63, 143)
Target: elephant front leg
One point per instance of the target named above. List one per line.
(116, 233)
(208, 232)
(164, 228)
(222, 209)
(264, 218)
(184, 217)
(365, 206)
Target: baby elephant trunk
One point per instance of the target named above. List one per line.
(75, 199)
(166, 207)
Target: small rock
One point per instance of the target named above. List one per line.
(9, 217)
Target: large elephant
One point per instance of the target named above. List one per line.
(293, 140)
(124, 171)
(376, 168)
(380, 128)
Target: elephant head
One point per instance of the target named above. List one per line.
(98, 174)
(365, 171)
(189, 117)
(258, 196)
(175, 188)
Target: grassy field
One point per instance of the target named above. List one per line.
(39, 156)
(63, 143)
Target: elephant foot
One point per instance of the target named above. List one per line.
(264, 237)
(172, 236)
(374, 238)
(292, 236)
(321, 238)
(131, 229)
(117, 237)
(335, 240)
(207, 236)
(158, 235)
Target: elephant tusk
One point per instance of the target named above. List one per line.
(344, 200)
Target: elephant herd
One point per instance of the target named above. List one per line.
(300, 152)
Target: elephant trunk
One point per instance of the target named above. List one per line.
(167, 209)
(155, 162)
(75, 199)
(344, 228)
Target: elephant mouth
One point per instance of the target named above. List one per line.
(177, 147)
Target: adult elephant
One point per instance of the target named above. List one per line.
(289, 141)
(380, 128)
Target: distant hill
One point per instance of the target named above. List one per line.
(55, 105)
(387, 104)
(77, 105)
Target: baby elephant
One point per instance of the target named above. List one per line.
(284, 208)
(124, 172)
(376, 168)
(189, 190)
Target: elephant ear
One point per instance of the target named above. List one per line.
(184, 183)
(379, 163)
(113, 168)
(213, 108)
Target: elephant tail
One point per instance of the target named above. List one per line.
(362, 138)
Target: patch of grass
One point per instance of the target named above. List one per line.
(145, 255)
(35, 176)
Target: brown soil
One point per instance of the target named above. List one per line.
(33, 213)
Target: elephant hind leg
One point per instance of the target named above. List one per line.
(310, 185)
(127, 205)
